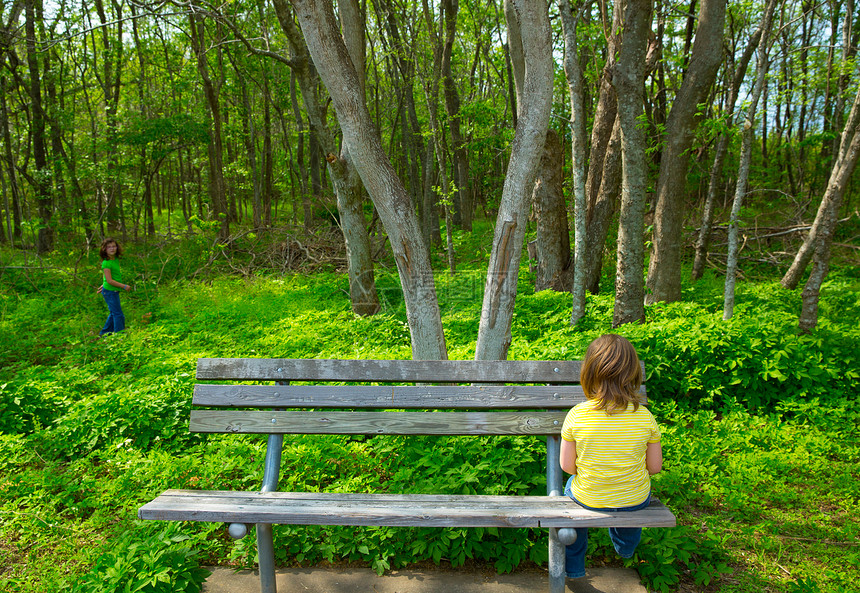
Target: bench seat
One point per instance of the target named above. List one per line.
(393, 510)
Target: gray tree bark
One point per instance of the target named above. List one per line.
(462, 202)
(826, 219)
(554, 264)
(347, 182)
(534, 99)
(578, 147)
(829, 208)
(350, 195)
(664, 270)
(745, 159)
(211, 89)
(333, 62)
(704, 239)
(628, 77)
(431, 92)
(42, 185)
(603, 183)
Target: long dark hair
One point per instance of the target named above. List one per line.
(103, 248)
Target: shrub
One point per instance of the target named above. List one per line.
(162, 563)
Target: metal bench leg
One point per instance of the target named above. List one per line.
(556, 563)
(554, 479)
(265, 543)
(266, 553)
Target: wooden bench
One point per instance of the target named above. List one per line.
(401, 397)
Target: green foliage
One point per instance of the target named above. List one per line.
(165, 134)
(143, 416)
(163, 563)
(760, 435)
(23, 410)
(665, 555)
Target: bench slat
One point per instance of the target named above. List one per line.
(420, 510)
(373, 396)
(404, 371)
(340, 422)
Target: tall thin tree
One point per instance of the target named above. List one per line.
(664, 266)
(746, 158)
(534, 100)
(628, 77)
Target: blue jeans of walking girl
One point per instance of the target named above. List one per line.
(625, 539)
(116, 320)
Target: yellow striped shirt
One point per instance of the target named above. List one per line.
(610, 454)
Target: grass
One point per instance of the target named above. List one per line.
(761, 440)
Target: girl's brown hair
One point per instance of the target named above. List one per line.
(611, 374)
(103, 249)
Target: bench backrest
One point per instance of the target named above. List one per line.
(385, 396)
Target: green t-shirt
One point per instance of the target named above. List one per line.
(115, 274)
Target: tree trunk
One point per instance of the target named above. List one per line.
(333, 62)
(578, 147)
(42, 188)
(350, 195)
(411, 126)
(431, 92)
(554, 264)
(534, 97)
(462, 203)
(628, 77)
(704, 238)
(745, 159)
(828, 211)
(603, 210)
(307, 208)
(111, 83)
(346, 180)
(603, 183)
(825, 223)
(516, 51)
(211, 88)
(664, 271)
(15, 233)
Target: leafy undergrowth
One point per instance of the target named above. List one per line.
(760, 433)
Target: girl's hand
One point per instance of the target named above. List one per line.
(99, 290)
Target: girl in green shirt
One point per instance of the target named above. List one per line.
(110, 251)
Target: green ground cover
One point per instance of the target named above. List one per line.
(761, 433)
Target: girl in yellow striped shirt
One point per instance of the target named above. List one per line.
(610, 445)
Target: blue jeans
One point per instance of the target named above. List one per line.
(116, 320)
(625, 539)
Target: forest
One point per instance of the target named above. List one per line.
(415, 179)
(701, 128)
